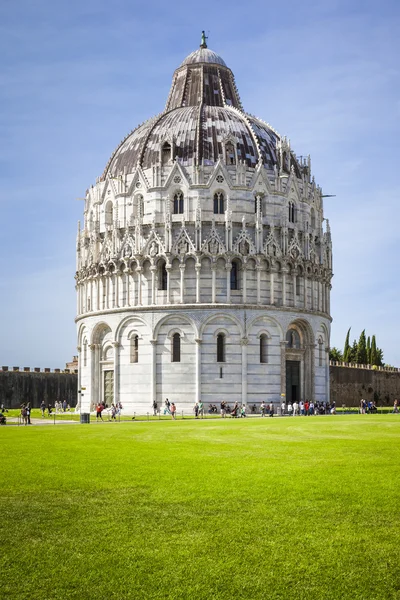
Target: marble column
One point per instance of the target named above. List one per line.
(244, 341)
(272, 287)
(116, 301)
(294, 290)
(153, 284)
(228, 283)
(213, 282)
(198, 369)
(244, 282)
(182, 269)
(168, 269)
(284, 287)
(116, 372)
(128, 286)
(139, 285)
(283, 370)
(153, 389)
(258, 271)
(198, 273)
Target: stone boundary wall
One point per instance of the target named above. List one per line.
(17, 387)
(351, 383)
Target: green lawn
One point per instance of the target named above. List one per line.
(214, 509)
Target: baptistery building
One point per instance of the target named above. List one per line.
(204, 262)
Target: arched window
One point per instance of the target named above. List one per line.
(235, 276)
(230, 157)
(293, 339)
(263, 348)
(134, 349)
(219, 203)
(108, 217)
(220, 347)
(178, 203)
(162, 277)
(166, 153)
(176, 347)
(292, 212)
(312, 218)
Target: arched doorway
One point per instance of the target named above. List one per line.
(298, 379)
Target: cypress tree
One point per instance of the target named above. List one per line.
(374, 353)
(346, 349)
(352, 353)
(361, 356)
(368, 350)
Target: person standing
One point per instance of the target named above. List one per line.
(295, 409)
(395, 407)
(167, 404)
(155, 408)
(262, 408)
(99, 410)
(290, 409)
(201, 409)
(223, 409)
(43, 408)
(173, 410)
(271, 409)
(283, 408)
(196, 410)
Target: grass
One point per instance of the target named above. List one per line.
(213, 509)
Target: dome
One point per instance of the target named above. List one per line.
(203, 55)
(203, 113)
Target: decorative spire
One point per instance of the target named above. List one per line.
(204, 39)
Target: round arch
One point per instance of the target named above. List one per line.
(217, 316)
(165, 319)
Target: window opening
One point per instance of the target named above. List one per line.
(163, 275)
(234, 276)
(230, 154)
(263, 348)
(219, 204)
(176, 347)
(178, 203)
(135, 349)
(220, 347)
(166, 153)
(292, 214)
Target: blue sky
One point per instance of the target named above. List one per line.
(76, 77)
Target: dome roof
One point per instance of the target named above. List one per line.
(202, 115)
(203, 55)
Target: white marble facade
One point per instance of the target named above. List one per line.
(203, 268)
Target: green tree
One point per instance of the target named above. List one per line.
(361, 355)
(368, 350)
(347, 348)
(374, 353)
(352, 353)
(335, 354)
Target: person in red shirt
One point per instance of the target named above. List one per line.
(173, 410)
(99, 410)
(306, 407)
